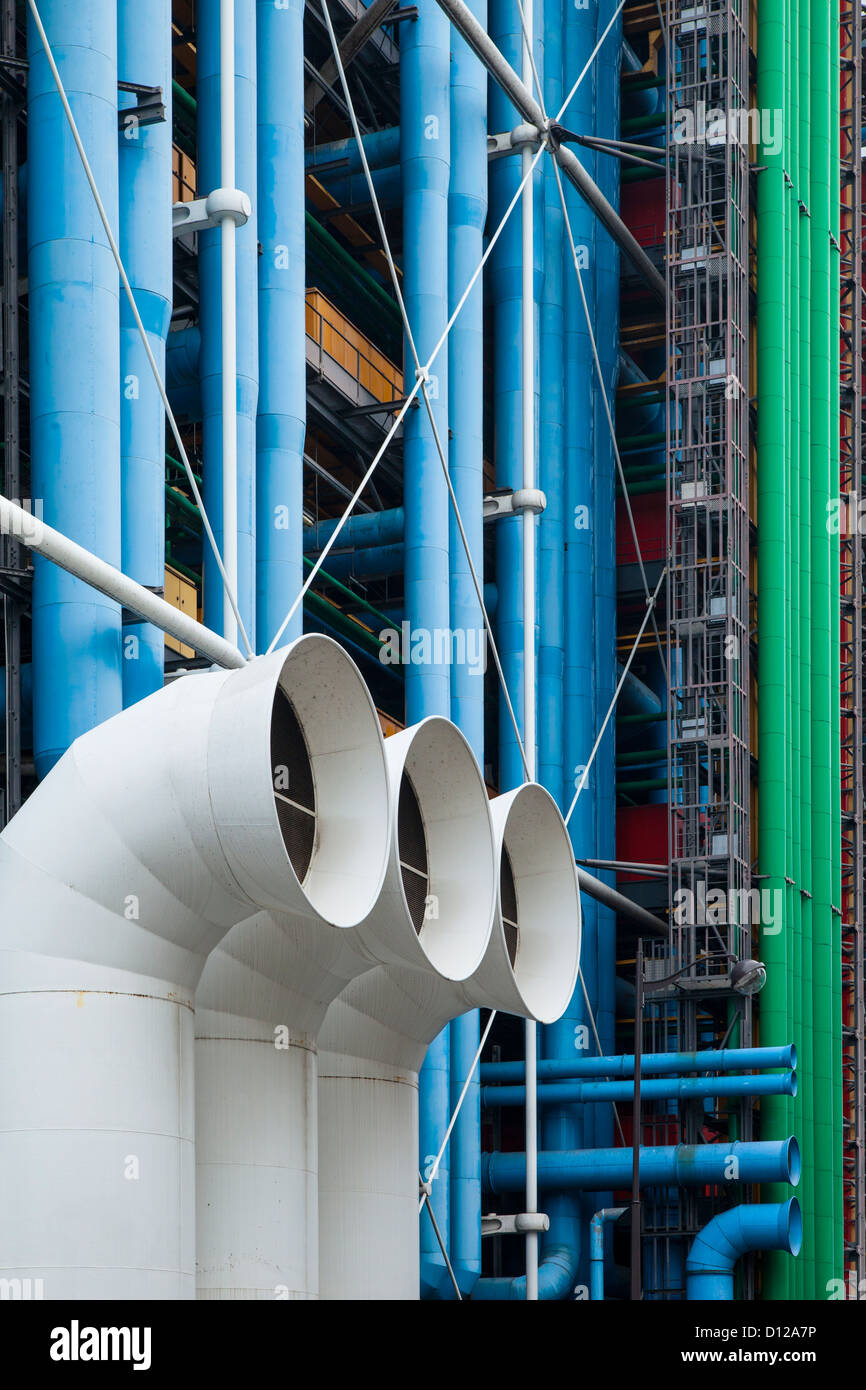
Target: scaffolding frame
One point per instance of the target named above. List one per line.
(707, 472)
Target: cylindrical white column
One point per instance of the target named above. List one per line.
(95, 1176)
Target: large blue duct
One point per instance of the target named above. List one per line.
(551, 525)
(210, 301)
(568, 1127)
(364, 529)
(74, 369)
(381, 147)
(282, 399)
(716, 1249)
(425, 154)
(683, 1165)
(506, 295)
(467, 214)
(144, 58)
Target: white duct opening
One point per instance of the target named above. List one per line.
(154, 834)
(377, 1032)
(266, 988)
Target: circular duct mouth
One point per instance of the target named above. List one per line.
(329, 780)
(794, 1162)
(794, 1226)
(445, 848)
(539, 902)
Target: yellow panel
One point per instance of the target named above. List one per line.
(182, 594)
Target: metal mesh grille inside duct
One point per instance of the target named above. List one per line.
(412, 843)
(508, 898)
(294, 788)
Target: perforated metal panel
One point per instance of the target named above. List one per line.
(294, 786)
(508, 898)
(412, 842)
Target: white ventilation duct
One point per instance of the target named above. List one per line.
(266, 989)
(153, 835)
(377, 1032)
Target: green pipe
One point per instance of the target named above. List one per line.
(772, 591)
(641, 84)
(654, 122)
(631, 441)
(793, 611)
(644, 755)
(805, 1093)
(629, 719)
(823, 321)
(645, 784)
(835, 750)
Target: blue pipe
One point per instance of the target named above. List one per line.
(425, 156)
(716, 1249)
(144, 56)
(74, 370)
(364, 529)
(551, 525)
(282, 400)
(683, 1165)
(210, 299)
(506, 298)
(686, 1088)
(606, 327)
(653, 1063)
(382, 148)
(467, 214)
(596, 1250)
(377, 562)
(569, 1127)
(351, 190)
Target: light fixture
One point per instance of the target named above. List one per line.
(748, 976)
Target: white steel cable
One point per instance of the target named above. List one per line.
(100, 207)
(443, 1146)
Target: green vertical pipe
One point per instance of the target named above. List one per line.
(835, 750)
(823, 316)
(773, 657)
(805, 1091)
(795, 971)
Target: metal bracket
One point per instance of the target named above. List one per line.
(150, 107)
(510, 140)
(519, 1225)
(505, 503)
(201, 213)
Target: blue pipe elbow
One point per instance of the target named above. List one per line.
(716, 1249)
(557, 1274)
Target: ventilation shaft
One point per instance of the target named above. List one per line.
(376, 1033)
(266, 988)
(155, 834)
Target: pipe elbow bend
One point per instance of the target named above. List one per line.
(716, 1249)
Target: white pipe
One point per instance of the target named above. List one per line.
(375, 1036)
(527, 210)
(228, 238)
(154, 834)
(266, 989)
(44, 540)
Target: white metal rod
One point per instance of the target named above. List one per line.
(528, 407)
(52, 545)
(228, 238)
